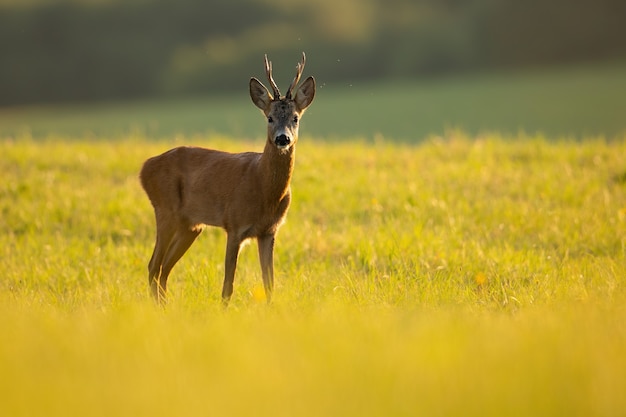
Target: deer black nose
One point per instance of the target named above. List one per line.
(282, 140)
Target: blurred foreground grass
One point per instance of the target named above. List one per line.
(481, 276)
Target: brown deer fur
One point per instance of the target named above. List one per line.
(247, 194)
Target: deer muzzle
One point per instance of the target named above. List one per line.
(282, 141)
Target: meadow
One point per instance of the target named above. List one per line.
(461, 274)
(570, 102)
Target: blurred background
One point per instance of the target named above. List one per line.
(77, 51)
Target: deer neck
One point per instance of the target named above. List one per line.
(277, 169)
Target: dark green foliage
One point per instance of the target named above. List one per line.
(80, 50)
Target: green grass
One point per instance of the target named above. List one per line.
(459, 276)
(565, 102)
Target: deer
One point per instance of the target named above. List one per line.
(247, 194)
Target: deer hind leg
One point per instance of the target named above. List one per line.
(181, 241)
(266, 257)
(165, 235)
(172, 241)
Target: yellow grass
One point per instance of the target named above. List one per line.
(462, 276)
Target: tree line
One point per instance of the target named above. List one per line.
(81, 50)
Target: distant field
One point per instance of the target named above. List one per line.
(567, 102)
(469, 276)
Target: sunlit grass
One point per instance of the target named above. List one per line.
(461, 276)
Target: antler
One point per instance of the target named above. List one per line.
(299, 69)
(268, 71)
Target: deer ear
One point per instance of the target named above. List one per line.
(259, 94)
(305, 94)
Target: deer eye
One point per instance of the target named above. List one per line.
(270, 120)
(295, 119)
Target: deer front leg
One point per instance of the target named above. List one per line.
(266, 257)
(233, 244)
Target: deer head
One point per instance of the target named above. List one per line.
(283, 113)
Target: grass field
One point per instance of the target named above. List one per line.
(421, 271)
(577, 102)
(470, 276)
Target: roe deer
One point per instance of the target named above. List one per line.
(247, 194)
